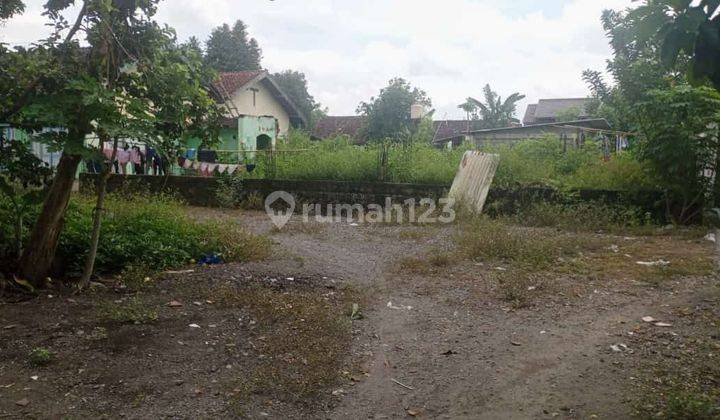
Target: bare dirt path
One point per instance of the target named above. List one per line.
(441, 342)
(437, 348)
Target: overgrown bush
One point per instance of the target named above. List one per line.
(152, 231)
(535, 162)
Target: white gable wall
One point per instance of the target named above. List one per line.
(265, 104)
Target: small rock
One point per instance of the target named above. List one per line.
(515, 343)
(194, 326)
(22, 403)
(179, 382)
(662, 324)
(34, 378)
(413, 413)
(175, 304)
(648, 319)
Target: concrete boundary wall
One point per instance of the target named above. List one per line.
(201, 191)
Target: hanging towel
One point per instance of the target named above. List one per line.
(222, 168)
(211, 168)
(231, 169)
(187, 164)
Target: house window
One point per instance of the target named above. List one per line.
(254, 92)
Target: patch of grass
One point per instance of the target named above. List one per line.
(486, 239)
(586, 216)
(132, 311)
(253, 201)
(691, 406)
(153, 231)
(519, 286)
(40, 356)
(305, 338)
(428, 263)
(137, 277)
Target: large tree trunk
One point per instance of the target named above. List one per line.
(36, 261)
(97, 215)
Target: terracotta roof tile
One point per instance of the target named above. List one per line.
(231, 82)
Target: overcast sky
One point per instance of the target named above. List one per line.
(450, 48)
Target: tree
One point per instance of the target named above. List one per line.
(685, 27)
(388, 114)
(294, 84)
(229, 49)
(681, 141)
(469, 107)
(22, 180)
(130, 80)
(8, 8)
(635, 67)
(494, 112)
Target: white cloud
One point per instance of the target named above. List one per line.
(349, 50)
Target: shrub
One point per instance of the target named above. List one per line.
(40, 356)
(134, 311)
(153, 231)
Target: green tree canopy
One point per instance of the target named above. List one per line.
(493, 112)
(388, 114)
(129, 79)
(294, 84)
(232, 49)
(684, 28)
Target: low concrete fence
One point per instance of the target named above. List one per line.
(201, 191)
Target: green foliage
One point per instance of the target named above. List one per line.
(687, 406)
(542, 162)
(133, 311)
(493, 112)
(681, 142)
(585, 216)
(295, 86)
(388, 114)
(22, 180)
(231, 49)
(538, 162)
(151, 231)
(8, 8)
(40, 356)
(692, 28)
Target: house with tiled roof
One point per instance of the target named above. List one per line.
(257, 111)
(547, 111)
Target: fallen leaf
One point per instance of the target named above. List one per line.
(515, 343)
(413, 413)
(175, 304)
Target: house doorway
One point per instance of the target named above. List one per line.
(264, 142)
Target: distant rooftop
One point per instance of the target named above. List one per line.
(547, 110)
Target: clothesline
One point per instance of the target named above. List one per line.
(598, 130)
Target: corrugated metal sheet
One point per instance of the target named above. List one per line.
(472, 182)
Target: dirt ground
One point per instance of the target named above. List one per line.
(437, 342)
